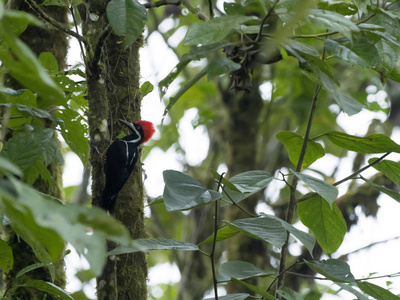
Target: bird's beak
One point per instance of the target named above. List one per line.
(130, 125)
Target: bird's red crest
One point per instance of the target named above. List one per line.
(148, 129)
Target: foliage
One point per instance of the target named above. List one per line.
(307, 53)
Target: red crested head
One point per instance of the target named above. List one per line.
(148, 129)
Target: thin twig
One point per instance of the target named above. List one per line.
(238, 206)
(397, 274)
(281, 273)
(351, 176)
(264, 20)
(162, 3)
(54, 23)
(215, 282)
(195, 10)
(71, 9)
(210, 6)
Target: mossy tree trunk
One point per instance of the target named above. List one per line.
(113, 93)
(39, 39)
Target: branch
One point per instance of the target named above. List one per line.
(195, 10)
(264, 20)
(94, 63)
(238, 206)
(351, 176)
(161, 3)
(54, 23)
(397, 274)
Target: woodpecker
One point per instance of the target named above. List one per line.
(120, 158)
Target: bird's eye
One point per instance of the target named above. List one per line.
(137, 127)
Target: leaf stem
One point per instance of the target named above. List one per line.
(238, 206)
(280, 274)
(264, 20)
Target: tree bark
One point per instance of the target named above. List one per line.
(113, 93)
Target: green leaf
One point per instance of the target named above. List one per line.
(347, 287)
(239, 270)
(266, 229)
(146, 88)
(31, 268)
(289, 294)
(390, 168)
(376, 291)
(7, 167)
(19, 20)
(254, 288)
(341, 7)
(85, 275)
(183, 192)
(333, 269)
(23, 65)
(325, 190)
(223, 233)
(224, 181)
(221, 65)
(293, 143)
(144, 245)
(376, 143)
(214, 30)
(48, 287)
(344, 53)
(74, 132)
(6, 257)
(294, 47)
(240, 296)
(48, 61)
(305, 238)
(391, 193)
(233, 9)
(247, 184)
(127, 18)
(346, 103)
(333, 21)
(327, 223)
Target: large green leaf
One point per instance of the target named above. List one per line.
(24, 66)
(376, 291)
(333, 21)
(7, 167)
(293, 143)
(49, 288)
(391, 193)
(43, 221)
(305, 238)
(6, 257)
(221, 65)
(247, 184)
(376, 143)
(183, 192)
(333, 269)
(388, 167)
(289, 294)
(127, 18)
(254, 288)
(223, 233)
(325, 190)
(144, 245)
(266, 229)
(214, 30)
(350, 289)
(239, 270)
(344, 53)
(327, 223)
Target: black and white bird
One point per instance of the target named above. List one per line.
(120, 159)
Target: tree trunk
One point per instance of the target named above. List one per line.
(113, 93)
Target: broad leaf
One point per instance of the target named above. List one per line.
(333, 269)
(305, 238)
(376, 143)
(127, 18)
(289, 294)
(391, 193)
(293, 143)
(146, 88)
(325, 190)
(183, 192)
(376, 291)
(388, 167)
(144, 245)
(7, 167)
(222, 234)
(221, 65)
(31, 268)
(48, 287)
(333, 21)
(344, 53)
(214, 30)
(247, 184)
(240, 270)
(347, 287)
(266, 229)
(6, 257)
(327, 223)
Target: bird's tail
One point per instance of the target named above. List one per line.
(108, 201)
